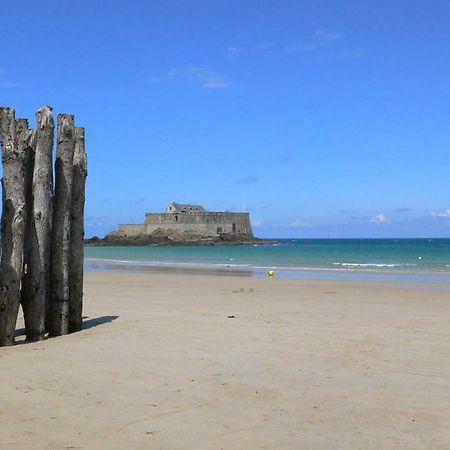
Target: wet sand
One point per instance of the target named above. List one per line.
(177, 361)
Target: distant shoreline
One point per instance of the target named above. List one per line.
(298, 273)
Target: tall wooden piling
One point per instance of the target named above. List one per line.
(26, 145)
(76, 253)
(29, 142)
(35, 290)
(13, 227)
(58, 323)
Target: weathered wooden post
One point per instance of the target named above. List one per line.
(35, 289)
(42, 234)
(76, 253)
(28, 140)
(25, 145)
(13, 227)
(58, 323)
(25, 139)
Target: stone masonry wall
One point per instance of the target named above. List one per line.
(204, 223)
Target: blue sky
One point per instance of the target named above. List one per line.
(331, 118)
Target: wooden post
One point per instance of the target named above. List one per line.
(25, 145)
(28, 140)
(59, 266)
(39, 196)
(13, 224)
(76, 254)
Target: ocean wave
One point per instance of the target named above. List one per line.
(161, 263)
(337, 267)
(345, 264)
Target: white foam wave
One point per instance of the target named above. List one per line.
(338, 266)
(161, 263)
(345, 264)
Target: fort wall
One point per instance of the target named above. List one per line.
(203, 223)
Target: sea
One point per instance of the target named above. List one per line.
(350, 259)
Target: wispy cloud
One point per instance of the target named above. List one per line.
(444, 214)
(322, 38)
(297, 223)
(235, 51)
(204, 77)
(250, 179)
(379, 219)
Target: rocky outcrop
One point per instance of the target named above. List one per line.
(173, 237)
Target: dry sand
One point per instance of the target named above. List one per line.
(300, 365)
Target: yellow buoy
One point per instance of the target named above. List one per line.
(419, 257)
(270, 273)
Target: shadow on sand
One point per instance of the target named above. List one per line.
(91, 323)
(87, 324)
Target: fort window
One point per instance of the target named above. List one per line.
(219, 230)
(233, 228)
(176, 218)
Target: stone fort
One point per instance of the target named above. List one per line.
(192, 219)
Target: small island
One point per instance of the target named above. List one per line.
(185, 224)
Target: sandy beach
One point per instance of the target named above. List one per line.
(177, 361)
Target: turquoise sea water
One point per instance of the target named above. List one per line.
(426, 258)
